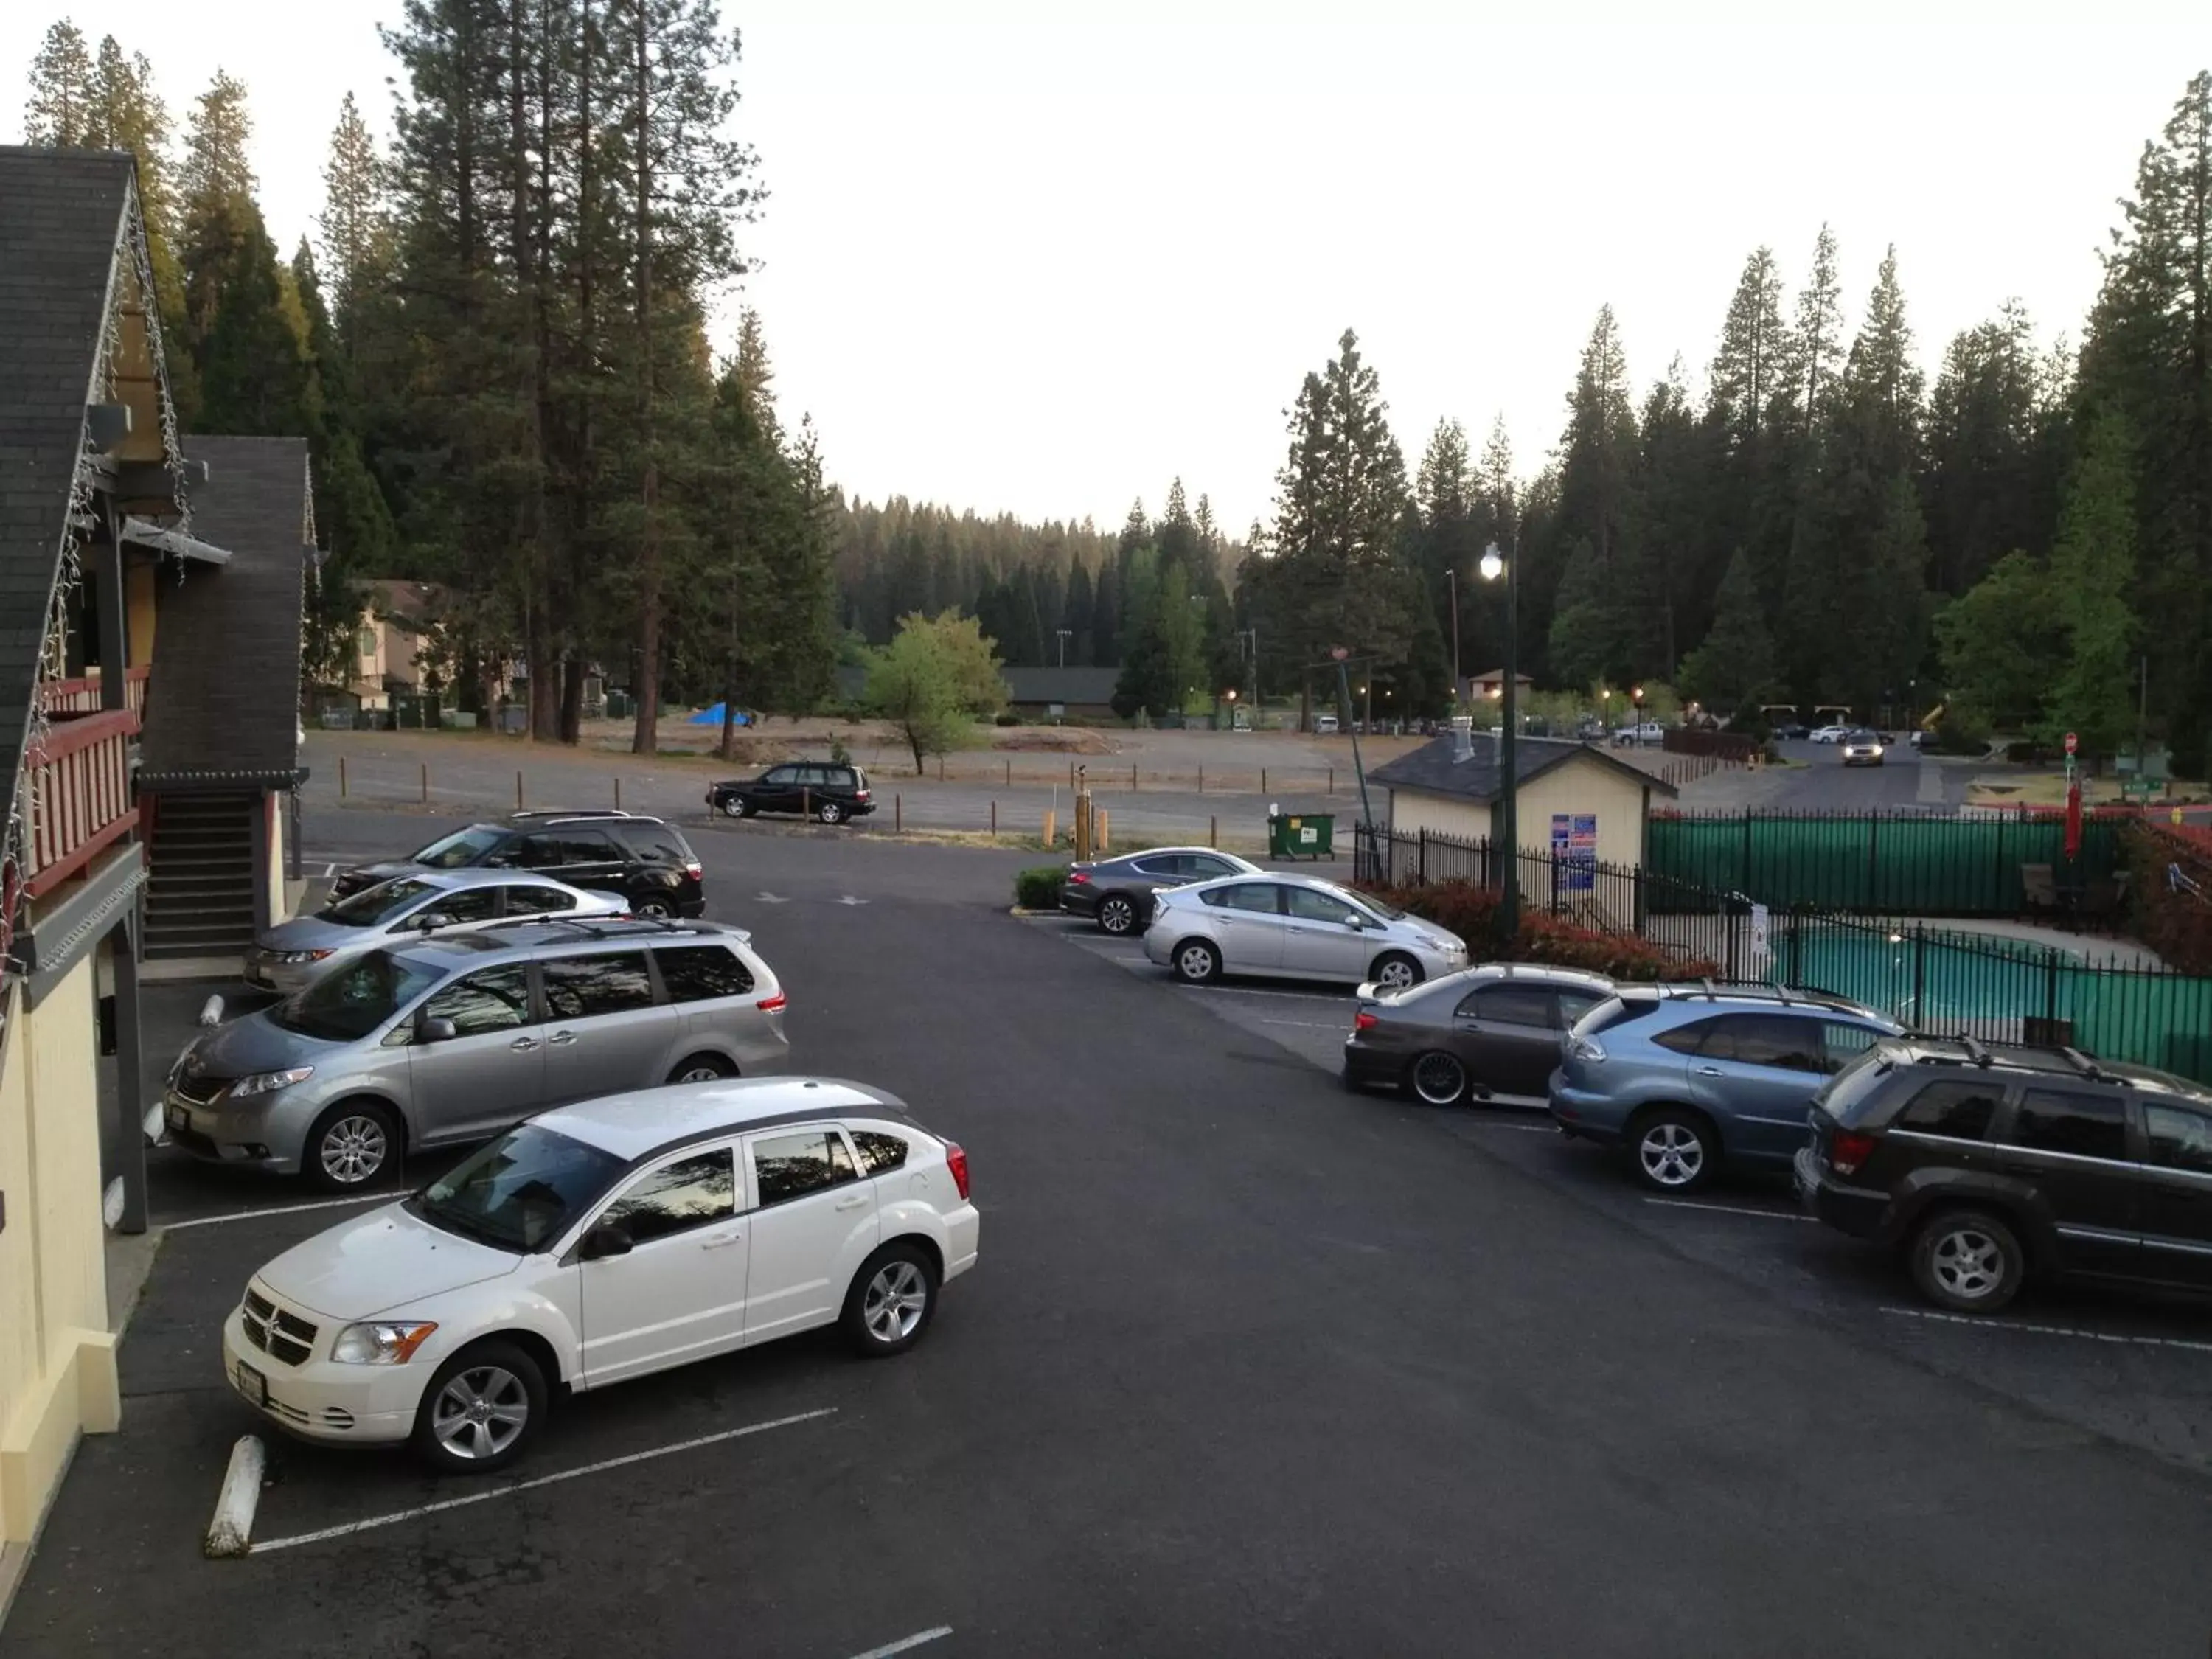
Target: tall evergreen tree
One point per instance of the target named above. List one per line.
(1734, 667)
(1075, 615)
(58, 111)
(2092, 569)
(1602, 602)
(1818, 343)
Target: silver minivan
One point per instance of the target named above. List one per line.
(454, 1038)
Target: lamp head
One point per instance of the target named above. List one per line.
(1492, 564)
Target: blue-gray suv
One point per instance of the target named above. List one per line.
(1689, 1078)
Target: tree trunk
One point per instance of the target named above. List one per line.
(729, 748)
(645, 740)
(572, 697)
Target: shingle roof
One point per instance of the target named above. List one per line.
(61, 215)
(224, 701)
(1432, 768)
(1070, 684)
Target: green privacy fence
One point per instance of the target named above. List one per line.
(1999, 989)
(1889, 863)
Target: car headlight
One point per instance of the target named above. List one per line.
(381, 1343)
(263, 1082)
(296, 958)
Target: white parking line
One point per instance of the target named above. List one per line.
(904, 1642)
(282, 1209)
(1986, 1324)
(1729, 1209)
(1306, 1024)
(352, 1526)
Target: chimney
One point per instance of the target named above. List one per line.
(1462, 737)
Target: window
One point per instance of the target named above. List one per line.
(1201, 867)
(1779, 1041)
(1573, 1004)
(584, 847)
(495, 999)
(1846, 1043)
(2180, 1137)
(879, 1153)
(792, 1166)
(695, 973)
(520, 1191)
(348, 1005)
(1508, 1004)
(840, 777)
(379, 903)
(527, 852)
(656, 844)
(1958, 1111)
(365, 642)
(537, 901)
(782, 775)
(1255, 897)
(2085, 1125)
(677, 1197)
(1690, 1039)
(1307, 905)
(577, 987)
(1163, 867)
(465, 905)
(461, 848)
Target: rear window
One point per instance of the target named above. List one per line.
(1853, 1087)
(879, 1151)
(1609, 1012)
(698, 973)
(1960, 1111)
(658, 843)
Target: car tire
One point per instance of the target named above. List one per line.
(1673, 1151)
(734, 806)
(1196, 962)
(1437, 1079)
(484, 1408)
(656, 905)
(702, 1068)
(1394, 970)
(1117, 914)
(893, 1299)
(1969, 1262)
(830, 812)
(350, 1145)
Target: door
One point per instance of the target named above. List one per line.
(2176, 1193)
(605, 1032)
(813, 1224)
(1247, 924)
(590, 859)
(463, 906)
(777, 791)
(680, 1293)
(1505, 1038)
(1759, 1073)
(1323, 937)
(2072, 1146)
(491, 1072)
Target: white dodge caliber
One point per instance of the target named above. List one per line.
(601, 1241)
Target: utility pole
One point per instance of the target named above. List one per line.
(1063, 633)
(1452, 577)
(1494, 565)
(1344, 686)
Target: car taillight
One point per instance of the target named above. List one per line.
(694, 870)
(771, 1005)
(860, 794)
(1589, 1050)
(1078, 877)
(956, 1160)
(1847, 1150)
(1366, 1020)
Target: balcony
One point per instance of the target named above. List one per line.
(81, 696)
(78, 781)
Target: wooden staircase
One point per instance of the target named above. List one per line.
(199, 894)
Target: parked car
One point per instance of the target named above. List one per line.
(1863, 748)
(293, 954)
(1790, 732)
(1295, 927)
(1987, 1165)
(1117, 893)
(829, 791)
(1492, 1033)
(643, 860)
(456, 1036)
(1324, 725)
(1829, 733)
(1648, 734)
(1689, 1078)
(601, 1242)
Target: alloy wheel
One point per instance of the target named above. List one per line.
(658, 908)
(1439, 1080)
(1671, 1154)
(353, 1150)
(699, 1074)
(1396, 974)
(829, 811)
(480, 1412)
(1195, 963)
(1968, 1263)
(896, 1299)
(1116, 914)
(734, 806)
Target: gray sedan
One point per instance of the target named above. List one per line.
(1295, 927)
(293, 955)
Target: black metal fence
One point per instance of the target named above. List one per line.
(1982, 983)
(1882, 863)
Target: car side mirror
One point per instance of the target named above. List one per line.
(608, 1239)
(433, 921)
(439, 1030)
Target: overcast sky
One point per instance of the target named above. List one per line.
(1042, 258)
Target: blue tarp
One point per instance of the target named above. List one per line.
(714, 717)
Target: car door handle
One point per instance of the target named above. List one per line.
(721, 1241)
(1710, 1071)
(523, 1045)
(853, 1202)
(562, 1037)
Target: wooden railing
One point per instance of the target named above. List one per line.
(78, 781)
(81, 696)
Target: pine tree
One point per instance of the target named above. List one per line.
(60, 111)
(221, 229)
(1818, 343)
(1752, 384)
(2092, 574)
(1602, 602)
(1990, 480)
(1734, 668)
(1106, 617)
(1075, 615)
(354, 221)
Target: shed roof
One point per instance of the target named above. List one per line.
(1435, 768)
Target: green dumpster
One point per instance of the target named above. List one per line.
(1302, 835)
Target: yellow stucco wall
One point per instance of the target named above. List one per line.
(1577, 785)
(1413, 811)
(57, 1373)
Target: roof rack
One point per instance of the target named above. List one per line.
(2086, 1065)
(572, 813)
(1975, 1052)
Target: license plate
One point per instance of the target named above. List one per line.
(178, 1118)
(253, 1385)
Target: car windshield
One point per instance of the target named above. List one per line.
(1366, 902)
(461, 848)
(378, 905)
(1863, 737)
(351, 1003)
(522, 1191)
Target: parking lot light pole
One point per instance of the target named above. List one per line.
(1494, 565)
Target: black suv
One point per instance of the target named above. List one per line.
(1988, 1164)
(643, 860)
(831, 790)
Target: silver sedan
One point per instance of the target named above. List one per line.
(293, 954)
(1295, 927)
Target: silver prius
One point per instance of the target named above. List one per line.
(293, 955)
(1295, 927)
(454, 1037)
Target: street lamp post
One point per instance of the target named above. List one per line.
(1452, 577)
(1063, 633)
(1494, 565)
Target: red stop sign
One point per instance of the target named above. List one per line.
(2071, 741)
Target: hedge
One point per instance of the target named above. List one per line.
(1037, 888)
(1471, 911)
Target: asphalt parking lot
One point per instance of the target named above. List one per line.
(1249, 1365)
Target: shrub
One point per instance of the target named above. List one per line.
(1007, 717)
(1471, 911)
(1038, 887)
